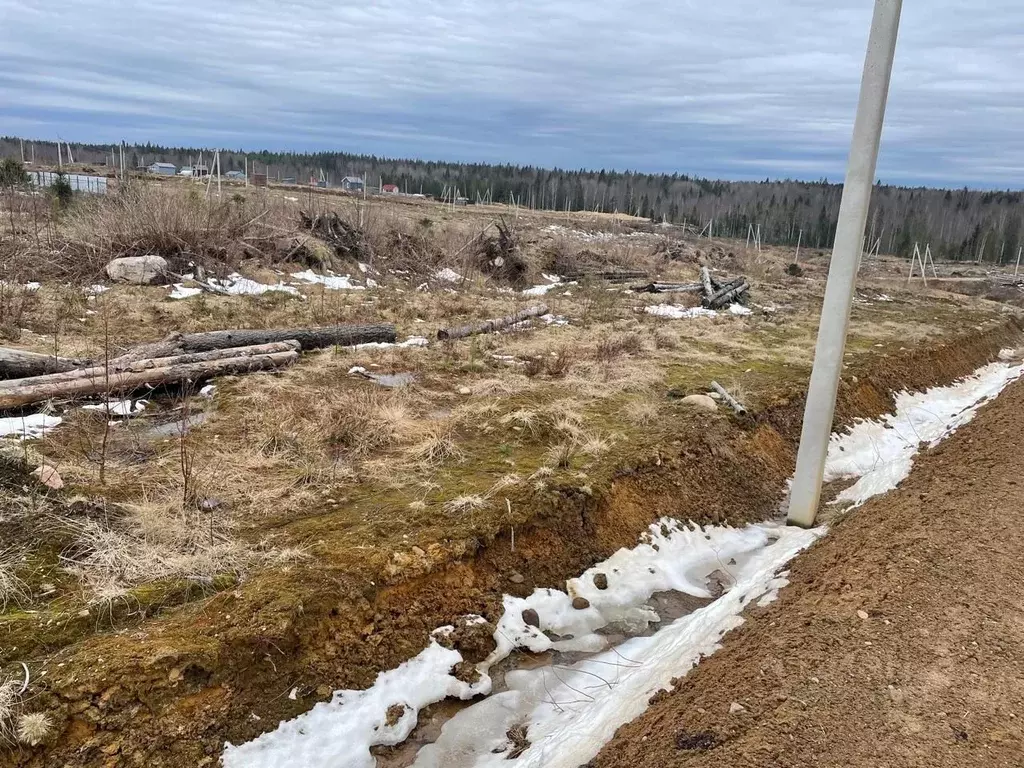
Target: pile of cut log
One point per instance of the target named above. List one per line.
(29, 377)
(717, 294)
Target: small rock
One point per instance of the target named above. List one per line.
(580, 603)
(465, 391)
(531, 617)
(49, 477)
(138, 270)
(862, 615)
(418, 552)
(700, 402)
(715, 396)
(600, 581)
(736, 708)
(208, 505)
(517, 578)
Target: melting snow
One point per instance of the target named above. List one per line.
(880, 453)
(236, 285)
(448, 275)
(335, 283)
(119, 407)
(179, 291)
(676, 312)
(412, 341)
(33, 425)
(540, 290)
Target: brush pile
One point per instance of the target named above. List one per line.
(501, 256)
(348, 242)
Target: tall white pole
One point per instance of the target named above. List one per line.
(842, 274)
(1017, 267)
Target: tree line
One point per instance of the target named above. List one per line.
(961, 224)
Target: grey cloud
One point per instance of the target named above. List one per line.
(729, 88)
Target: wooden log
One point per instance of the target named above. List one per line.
(100, 372)
(611, 275)
(495, 324)
(728, 295)
(705, 279)
(126, 381)
(669, 288)
(17, 364)
(308, 338)
(732, 401)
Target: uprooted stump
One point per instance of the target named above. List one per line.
(501, 256)
(347, 241)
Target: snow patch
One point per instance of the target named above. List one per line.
(677, 312)
(880, 452)
(412, 341)
(333, 282)
(179, 291)
(340, 732)
(541, 290)
(32, 425)
(236, 285)
(448, 275)
(119, 407)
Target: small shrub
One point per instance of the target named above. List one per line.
(61, 191)
(12, 173)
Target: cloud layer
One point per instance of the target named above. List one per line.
(734, 88)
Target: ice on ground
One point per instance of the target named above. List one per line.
(32, 425)
(677, 312)
(119, 407)
(333, 282)
(97, 289)
(179, 291)
(880, 452)
(448, 275)
(208, 391)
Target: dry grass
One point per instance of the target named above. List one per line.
(12, 588)
(10, 702)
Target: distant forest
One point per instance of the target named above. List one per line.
(959, 224)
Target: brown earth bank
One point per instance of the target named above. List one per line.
(173, 690)
(899, 641)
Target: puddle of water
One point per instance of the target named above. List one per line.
(669, 605)
(392, 380)
(176, 427)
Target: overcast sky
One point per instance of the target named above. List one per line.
(720, 88)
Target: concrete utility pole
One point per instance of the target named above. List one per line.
(842, 273)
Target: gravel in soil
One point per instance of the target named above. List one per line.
(899, 642)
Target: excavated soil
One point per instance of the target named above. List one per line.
(172, 690)
(899, 642)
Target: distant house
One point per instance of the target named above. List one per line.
(185, 171)
(235, 175)
(352, 184)
(163, 169)
(389, 189)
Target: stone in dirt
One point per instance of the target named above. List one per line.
(736, 708)
(700, 402)
(49, 477)
(516, 577)
(138, 270)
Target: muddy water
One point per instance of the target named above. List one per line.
(669, 606)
